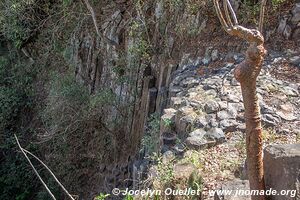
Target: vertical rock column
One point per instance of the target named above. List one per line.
(282, 170)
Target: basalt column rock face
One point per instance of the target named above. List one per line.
(282, 170)
(111, 64)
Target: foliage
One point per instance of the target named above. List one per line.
(150, 141)
(193, 157)
(277, 3)
(141, 48)
(250, 12)
(167, 122)
(17, 180)
(128, 197)
(195, 182)
(19, 19)
(165, 170)
(102, 196)
(15, 89)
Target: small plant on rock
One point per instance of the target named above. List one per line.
(102, 196)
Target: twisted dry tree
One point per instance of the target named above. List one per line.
(246, 73)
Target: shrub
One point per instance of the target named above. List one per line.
(17, 180)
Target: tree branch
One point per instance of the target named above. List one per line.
(24, 151)
(52, 174)
(35, 171)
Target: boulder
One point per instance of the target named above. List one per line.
(229, 125)
(233, 190)
(295, 60)
(200, 139)
(270, 120)
(211, 107)
(211, 121)
(214, 55)
(168, 156)
(282, 170)
(296, 14)
(216, 134)
(200, 122)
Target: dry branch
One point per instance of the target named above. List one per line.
(35, 171)
(24, 151)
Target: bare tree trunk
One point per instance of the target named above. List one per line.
(246, 73)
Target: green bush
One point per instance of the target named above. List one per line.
(15, 89)
(17, 180)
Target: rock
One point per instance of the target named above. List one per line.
(265, 109)
(177, 102)
(238, 188)
(290, 91)
(183, 171)
(184, 124)
(229, 125)
(173, 91)
(282, 24)
(296, 14)
(184, 120)
(295, 60)
(287, 32)
(169, 138)
(286, 112)
(216, 134)
(288, 116)
(211, 107)
(211, 93)
(227, 114)
(198, 133)
(179, 149)
(269, 120)
(198, 141)
(168, 156)
(205, 61)
(239, 107)
(224, 114)
(287, 107)
(196, 104)
(234, 82)
(207, 57)
(152, 99)
(214, 55)
(232, 111)
(223, 105)
(230, 57)
(234, 98)
(296, 35)
(282, 169)
(159, 9)
(184, 61)
(200, 122)
(241, 172)
(189, 82)
(211, 120)
(241, 127)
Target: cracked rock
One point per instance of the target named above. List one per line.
(211, 107)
